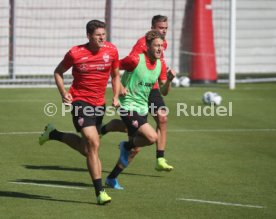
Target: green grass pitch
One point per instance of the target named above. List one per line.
(225, 166)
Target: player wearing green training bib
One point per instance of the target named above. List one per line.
(141, 73)
(139, 83)
(157, 107)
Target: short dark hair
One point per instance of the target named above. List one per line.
(151, 35)
(92, 25)
(158, 18)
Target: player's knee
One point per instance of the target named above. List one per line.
(135, 151)
(152, 137)
(162, 118)
(92, 146)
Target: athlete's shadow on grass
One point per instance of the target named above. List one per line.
(33, 167)
(22, 195)
(57, 183)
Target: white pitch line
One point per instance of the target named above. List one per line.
(24, 101)
(19, 133)
(221, 130)
(219, 203)
(48, 185)
(25, 133)
(178, 199)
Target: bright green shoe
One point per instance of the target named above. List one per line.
(103, 198)
(45, 135)
(161, 165)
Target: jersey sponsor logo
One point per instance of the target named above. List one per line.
(106, 57)
(141, 83)
(90, 67)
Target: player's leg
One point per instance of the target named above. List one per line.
(161, 129)
(114, 125)
(156, 104)
(75, 142)
(91, 137)
(145, 136)
(72, 140)
(140, 134)
(157, 109)
(134, 122)
(161, 119)
(111, 180)
(89, 125)
(88, 145)
(92, 141)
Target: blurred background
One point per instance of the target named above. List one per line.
(36, 34)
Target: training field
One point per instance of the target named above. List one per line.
(225, 166)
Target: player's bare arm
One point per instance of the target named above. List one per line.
(116, 86)
(58, 74)
(165, 85)
(123, 90)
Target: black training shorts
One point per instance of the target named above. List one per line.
(85, 114)
(155, 101)
(132, 120)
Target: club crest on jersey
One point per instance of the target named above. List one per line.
(135, 123)
(106, 57)
(80, 121)
(83, 67)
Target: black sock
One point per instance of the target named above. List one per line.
(98, 186)
(129, 145)
(103, 130)
(160, 153)
(56, 135)
(115, 172)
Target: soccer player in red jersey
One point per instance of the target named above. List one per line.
(156, 102)
(92, 64)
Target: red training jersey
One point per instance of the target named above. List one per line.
(91, 71)
(141, 47)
